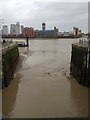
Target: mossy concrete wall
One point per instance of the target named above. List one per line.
(10, 57)
(80, 64)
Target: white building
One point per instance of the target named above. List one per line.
(22, 28)
(15, 29)
(76, 31)
(65, 33)
(4, 30)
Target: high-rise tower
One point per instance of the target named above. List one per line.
(17, 28)
(5, 30)
(43, 26)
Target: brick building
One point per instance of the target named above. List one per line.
(29, 32)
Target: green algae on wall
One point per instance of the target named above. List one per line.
(10, 58)
(80, 68)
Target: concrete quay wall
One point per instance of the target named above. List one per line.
(80, 64)
(10, 58)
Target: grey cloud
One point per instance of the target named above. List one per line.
(32, 13)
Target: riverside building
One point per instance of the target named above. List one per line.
(44, 33)
(76, 31)
(29, 32)
(5, 30)
(15, 29)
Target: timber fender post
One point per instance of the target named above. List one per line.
(27, 41)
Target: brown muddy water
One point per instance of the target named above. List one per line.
(41, 86)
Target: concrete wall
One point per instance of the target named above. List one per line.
(10, 57)
(80, 67)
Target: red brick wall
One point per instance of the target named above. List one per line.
(29, 32)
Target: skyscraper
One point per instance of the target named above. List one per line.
(5, 30)
(13, 29)
(17, 28)
(22, 28)
(43, 26)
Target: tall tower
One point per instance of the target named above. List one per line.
(5, 30)
(43, 26)
(17, 28)
(13, 29)
(22, 28)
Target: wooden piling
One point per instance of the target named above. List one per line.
(27, 42)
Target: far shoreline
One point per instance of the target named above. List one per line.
(39, 38)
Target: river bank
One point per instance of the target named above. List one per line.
(41, 86)
(59, 37)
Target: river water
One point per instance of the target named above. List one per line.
(41, 86)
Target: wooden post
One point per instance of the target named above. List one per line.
(27, 42)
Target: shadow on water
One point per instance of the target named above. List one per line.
(9, 95)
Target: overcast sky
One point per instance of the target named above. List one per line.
(63, 15)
